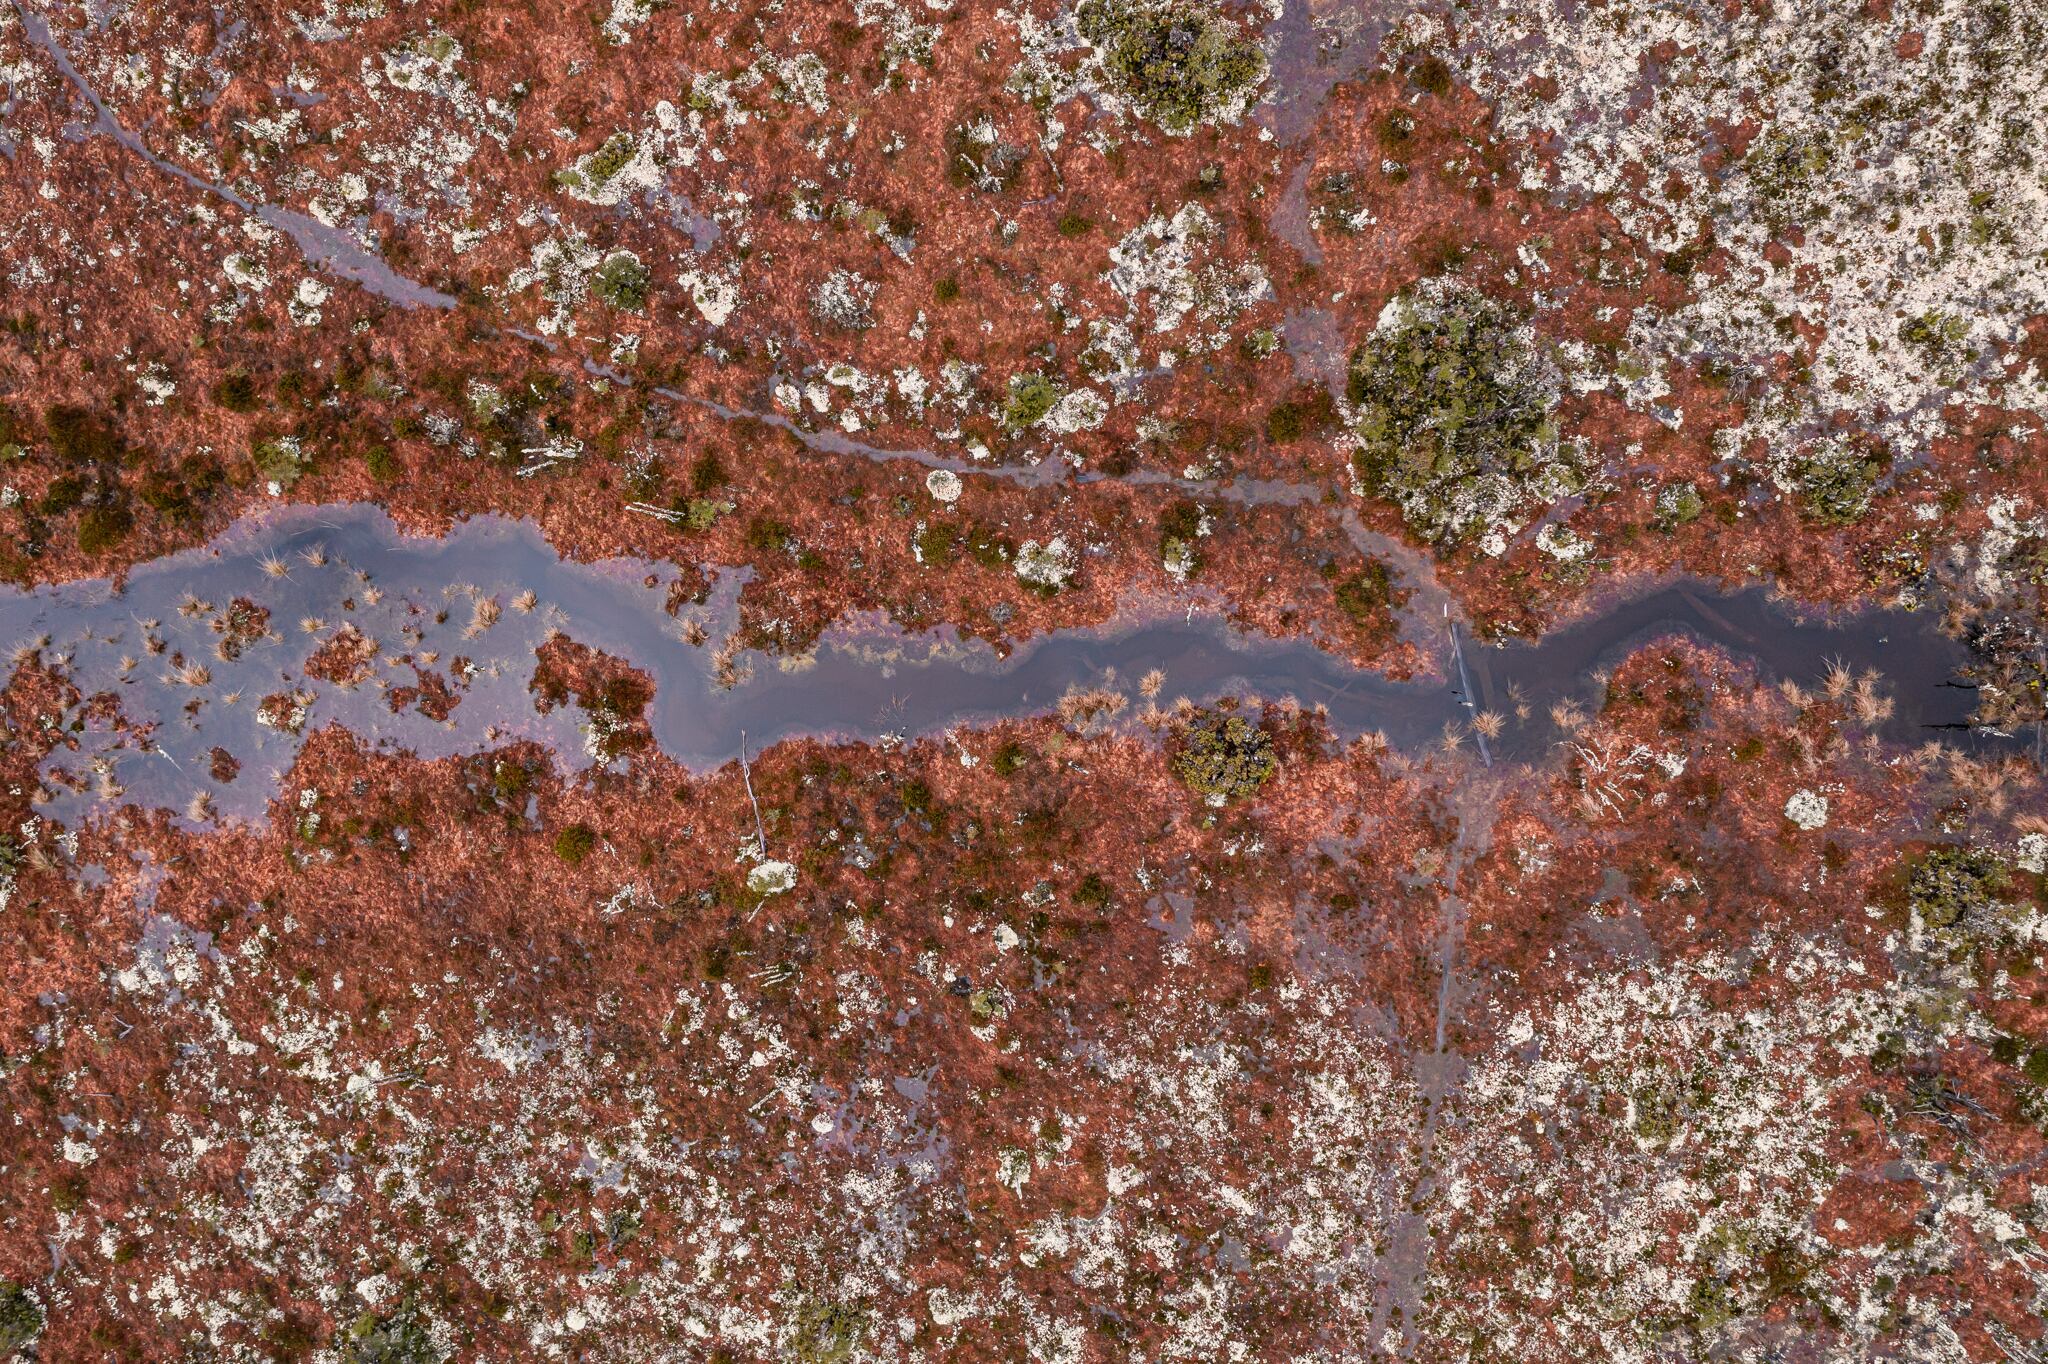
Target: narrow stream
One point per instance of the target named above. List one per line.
(458, 611)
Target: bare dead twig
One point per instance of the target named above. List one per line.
(746, 776)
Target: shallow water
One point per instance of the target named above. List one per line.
(416, 598)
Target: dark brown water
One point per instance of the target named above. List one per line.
(417, 599)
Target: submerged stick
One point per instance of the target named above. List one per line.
(1465, 685)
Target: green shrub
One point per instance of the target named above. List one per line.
(988, 548)
(702, 513)
(936, 543)
(1225, 758)
(382, 465)
(1286, 423)
(1368, 597)
(623, 282)
(1395, 129)
(707, 473)
(21, 1317)
(1678, 504)
(1938, 337)
(575, 843)
(1181, 63)
(64, 493)
(1835, 484)
(1009, 759)
(945, 289)
(1432, 75)
(598, 169)
(1454, 413)
(279, 462)
(175, 494)
(611, 158)
(1180, 530)
(80, 436)
(1309, 413)
(827, 1332)
(765, 534)
(1072, 225)
(400, 1338)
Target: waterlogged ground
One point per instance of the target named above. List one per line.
(1078, 680)
(402, 962)
(1010, 1044)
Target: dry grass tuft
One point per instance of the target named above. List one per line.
(1872, 707)
(1089, 707)
(483, 614)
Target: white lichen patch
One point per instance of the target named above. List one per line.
(1049, 566)
(1807, 809)
(1893, 202)
(772, 878)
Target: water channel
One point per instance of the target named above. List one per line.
(471, 609)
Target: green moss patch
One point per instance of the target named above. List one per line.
(1957, 891)
(575, 843)
(1031, 397)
